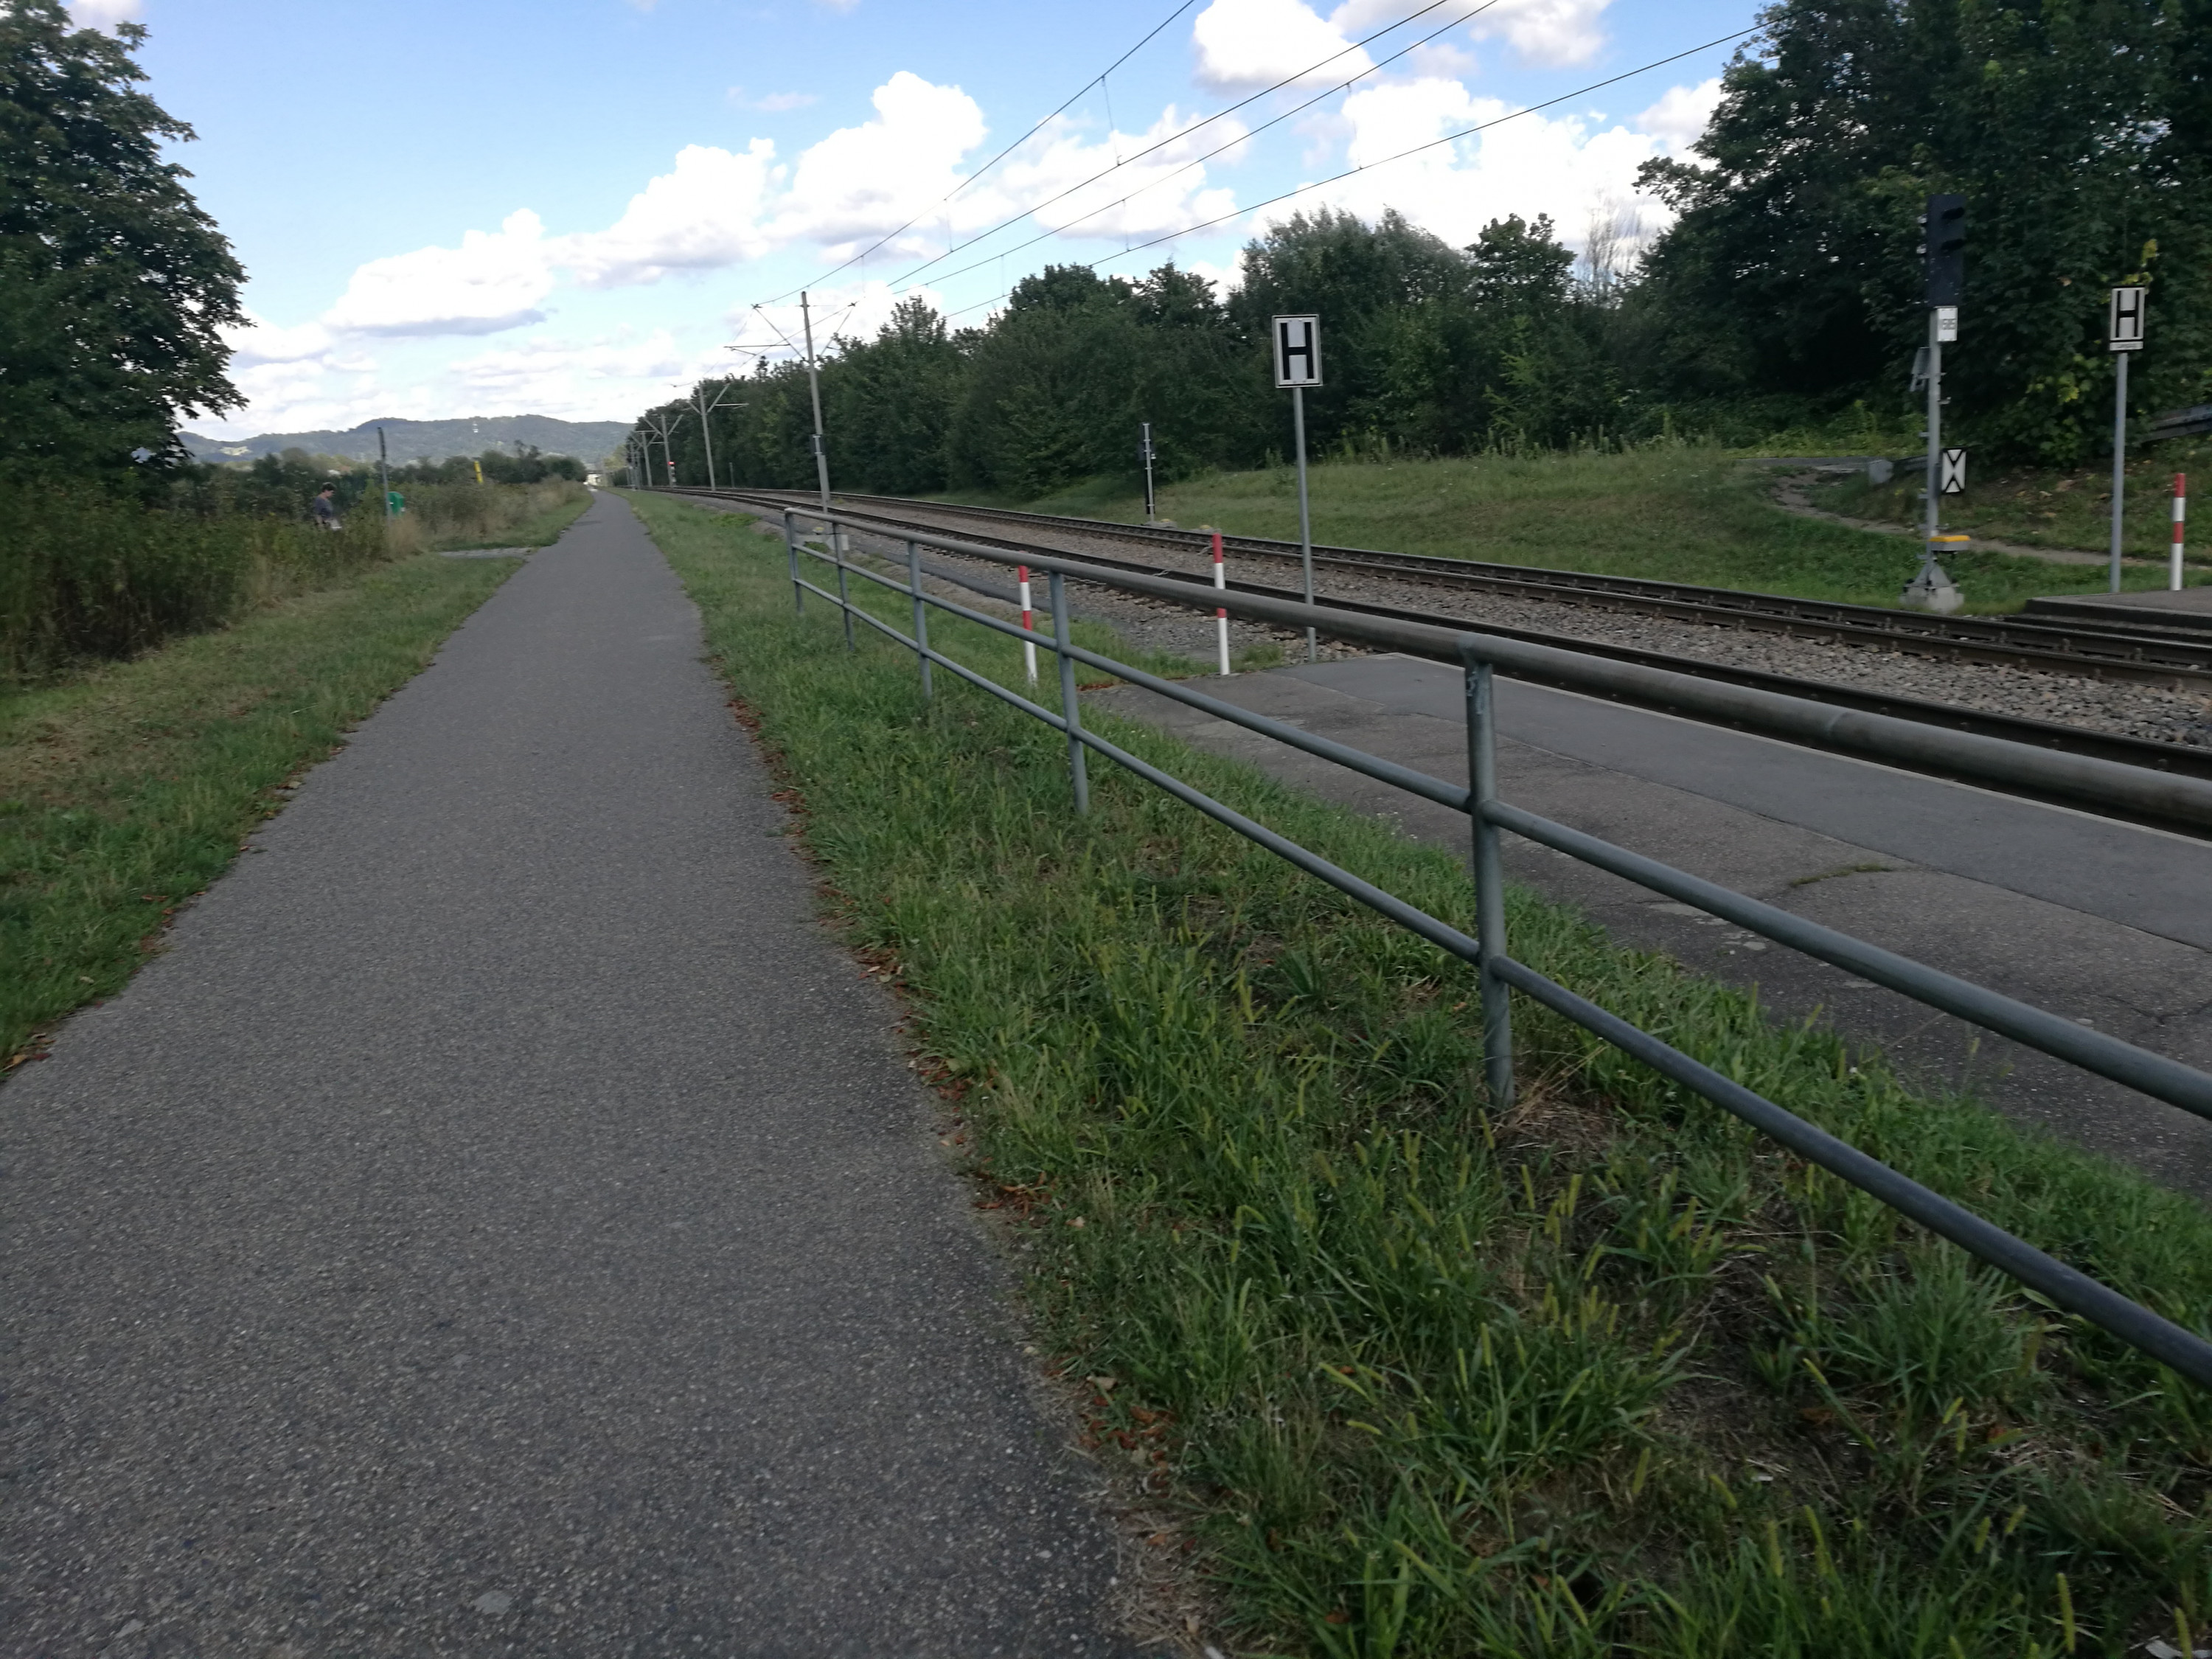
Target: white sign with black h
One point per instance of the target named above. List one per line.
(1297, 351)
(2126, 331)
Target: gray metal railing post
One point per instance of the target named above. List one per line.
(1489, 884)
(790, 547)
(844, 594)
(920, 616)
(1078, 776)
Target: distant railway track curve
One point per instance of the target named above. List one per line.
(2090, 653)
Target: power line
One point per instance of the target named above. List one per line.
(1201, 161)
(995, 160)
(1177, 137)
(1383, 160)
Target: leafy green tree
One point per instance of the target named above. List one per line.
(113, 284)
(2077, 129)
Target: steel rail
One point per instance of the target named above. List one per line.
(2101, 653)
(2110, 776)
(2184, 1351)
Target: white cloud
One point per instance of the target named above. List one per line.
(1144, 198)
(1256, 43)
(704, 214)
(862, 181)
(1528, 165)
(1553, 32)
(260, 342)
(104, 14)
(495, 280)
(600, 379)
(1680, 116)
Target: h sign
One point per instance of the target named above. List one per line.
(2126, 333)
(1297, 351)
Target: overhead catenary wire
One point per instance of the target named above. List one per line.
(1176, 138)
(1094, 80)
(1384, 160)
(1200, 160)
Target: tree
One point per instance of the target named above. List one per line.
(2077, 129)
(114, 285)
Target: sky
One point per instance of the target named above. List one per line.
(574, 207)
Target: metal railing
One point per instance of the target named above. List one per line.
(1482, 658)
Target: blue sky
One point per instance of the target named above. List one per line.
(570, 208)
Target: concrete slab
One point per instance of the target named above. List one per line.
(2191, 608)
(2097, 920)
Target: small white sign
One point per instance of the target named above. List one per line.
(1947, 325)
(1951, 478)
(1297, 351)
(2125, 332)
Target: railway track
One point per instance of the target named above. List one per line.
(2181, 759)
(2081, 650)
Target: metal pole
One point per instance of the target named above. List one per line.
(1029, 621)
(844, 595)
(1935, 472)
(1145, 447)
(1489, 886)
(1220, 616)
(814, 385)
(1305, 515)
(2119, 459)
(920, 617)
(790, 547)
(706, 431)
(1079, 776)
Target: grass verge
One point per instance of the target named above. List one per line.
(1603, 1376)
(126, 792)
(1677, 513)
(2068, 507)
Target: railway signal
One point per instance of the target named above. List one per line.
(1954, 472)
(2180, 521)
(1297, 366)
(1943, 229)
(2124, 335)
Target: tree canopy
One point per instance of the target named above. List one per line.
(114, 285)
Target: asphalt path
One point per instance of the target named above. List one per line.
(2097, 920)
(503, 1223)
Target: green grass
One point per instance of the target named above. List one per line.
(455, 516)
(2055, 507)
(1602, 1377)
(1677, 513)
(127, 791)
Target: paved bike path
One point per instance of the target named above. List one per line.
(502, 1222)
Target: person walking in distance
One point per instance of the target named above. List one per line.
(324, 506)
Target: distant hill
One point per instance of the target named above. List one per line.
(430, 441)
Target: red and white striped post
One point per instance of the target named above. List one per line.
(2180, 519)
(1028, 623)
(1220, 616)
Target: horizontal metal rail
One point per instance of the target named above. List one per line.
(2184, 1351)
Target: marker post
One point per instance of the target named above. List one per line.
(1221, 585)
(2180, 519)
(1297, 366)
(2123, 337)
(1028, 623)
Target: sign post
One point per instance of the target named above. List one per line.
(1297, 366)
(2124, 335)
(1945, 228)
(1145, 454)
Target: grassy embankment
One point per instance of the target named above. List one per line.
(2054, 506)
(90, 576)
(126, 790)
(1603, 1375)
(1676, 513)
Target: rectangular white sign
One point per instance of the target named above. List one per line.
(1947, 325)
(2125, 332)
(1297, 351)
(1952, 481)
